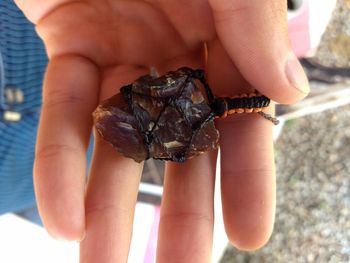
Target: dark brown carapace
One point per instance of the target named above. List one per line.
(167, 117)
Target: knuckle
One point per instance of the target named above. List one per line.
(105, 208)
(61, 97)
(236, 9)
(55, 150)
(228, 10)
(277, 11)
(263, 170)
(187, 217)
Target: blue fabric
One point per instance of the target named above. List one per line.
(31, 214)
(22, 64)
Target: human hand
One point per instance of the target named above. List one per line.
(97, 46)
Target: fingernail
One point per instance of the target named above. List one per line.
(82, 237)
(296, 75)
(59, 237)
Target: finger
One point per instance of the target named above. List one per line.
(248, 181)
(69, 97)
(112, 188)
(247, 162)
(186, 220)
(254, 34)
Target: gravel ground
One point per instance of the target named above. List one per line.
(334, 48)
(313, 195)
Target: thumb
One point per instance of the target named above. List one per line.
(254, 34)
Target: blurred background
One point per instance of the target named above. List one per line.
(312, 156)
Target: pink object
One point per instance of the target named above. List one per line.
(299, 32)
(150, 254)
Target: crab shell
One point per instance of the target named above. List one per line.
(164, 118)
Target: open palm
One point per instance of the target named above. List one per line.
(95, 47)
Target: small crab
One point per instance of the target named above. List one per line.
(167, 117)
